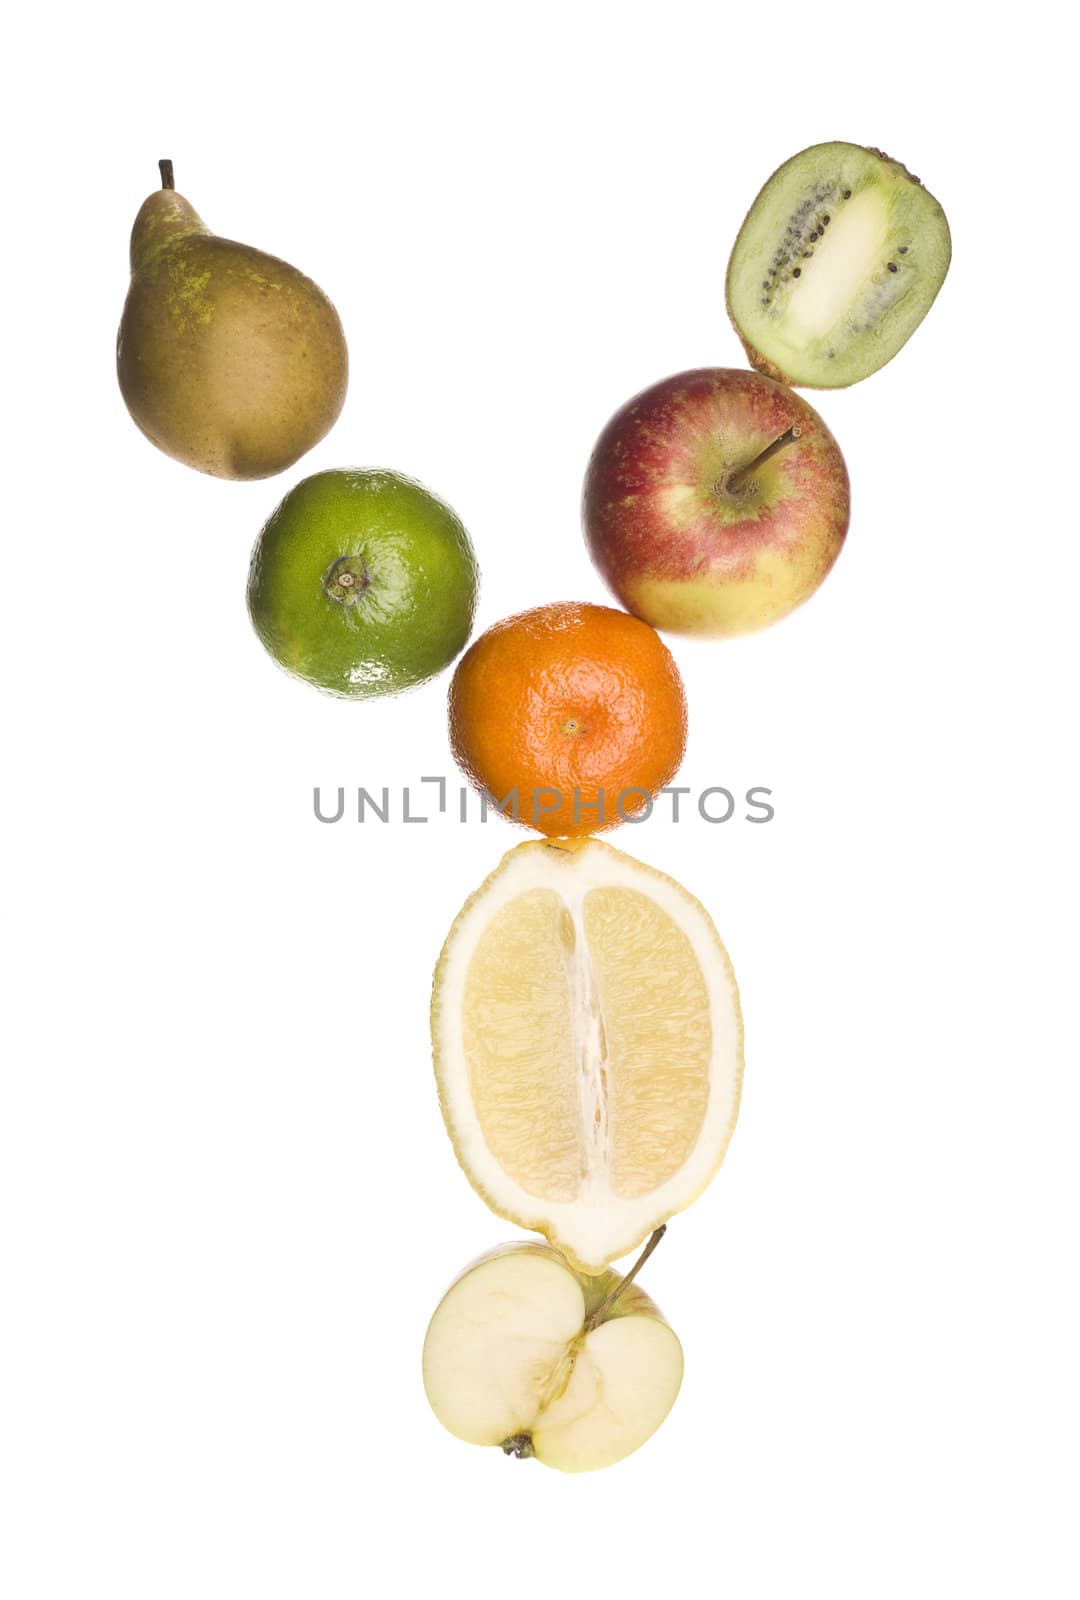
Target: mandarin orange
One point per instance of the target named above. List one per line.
(571, 717)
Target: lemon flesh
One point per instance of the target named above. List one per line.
(588, 1046)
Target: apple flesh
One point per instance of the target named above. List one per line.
(525, 1353)
(715, 502)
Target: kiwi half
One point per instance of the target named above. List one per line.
(837, 263)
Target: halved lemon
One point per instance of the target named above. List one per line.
(588, 1046)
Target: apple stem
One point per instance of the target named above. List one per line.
(738, 478)
(602, 1310)
(165, 168)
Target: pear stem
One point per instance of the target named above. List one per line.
(601, 1313)
(737, 479)
(165, 168)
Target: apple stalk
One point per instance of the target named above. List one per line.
(603, 1310)
(740, 478)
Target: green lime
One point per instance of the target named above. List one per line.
(362, 583)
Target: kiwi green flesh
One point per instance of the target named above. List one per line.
(837, 263)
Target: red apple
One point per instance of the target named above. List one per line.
(715, 502)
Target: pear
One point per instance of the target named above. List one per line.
(229, 360)
(527, 1353)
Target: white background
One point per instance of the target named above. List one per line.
(228, 1202)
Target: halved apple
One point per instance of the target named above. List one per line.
(528, 1354)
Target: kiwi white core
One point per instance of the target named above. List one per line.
(848, 254)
